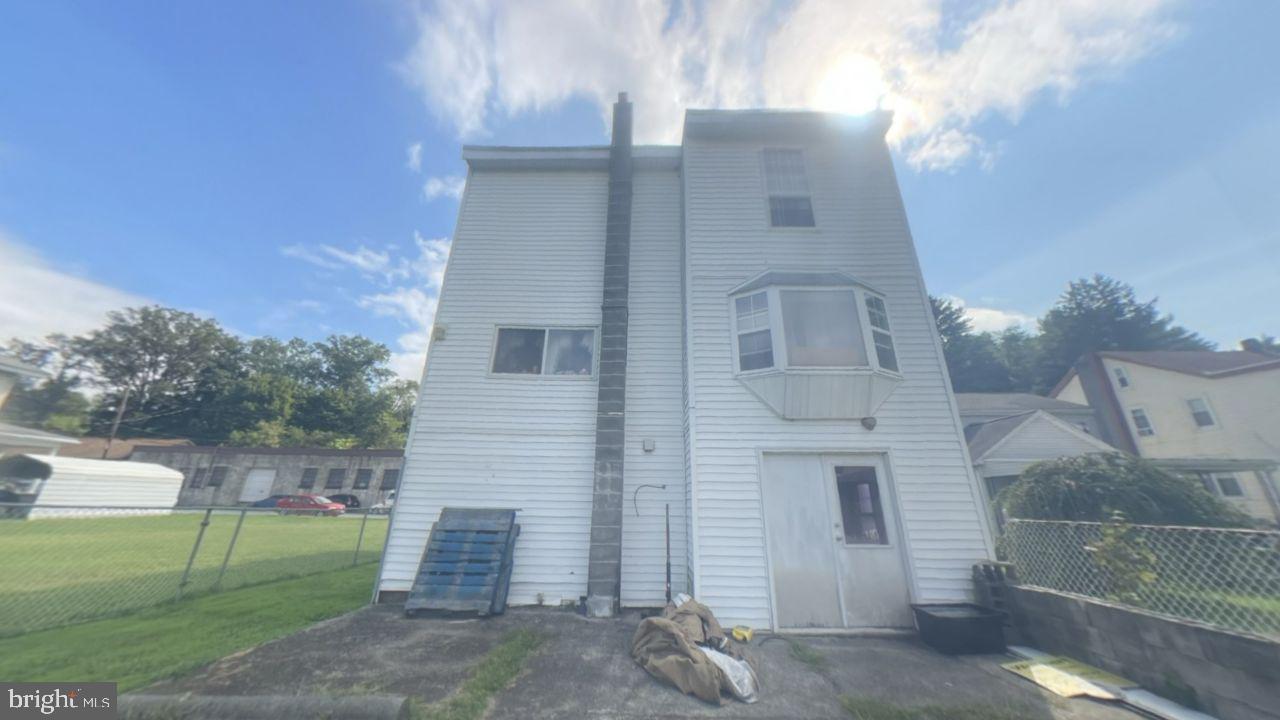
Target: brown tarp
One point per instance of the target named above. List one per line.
(666, 647)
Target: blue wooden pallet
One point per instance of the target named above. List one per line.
(467, 562)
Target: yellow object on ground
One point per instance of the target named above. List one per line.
(1069, 678)
(742, 633)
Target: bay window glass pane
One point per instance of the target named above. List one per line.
(519, 351)
(821, 329)
(569, 352)
(877, 312)
(885, 353)
(755, 350)
(753, 312)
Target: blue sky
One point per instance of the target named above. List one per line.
(254, 162)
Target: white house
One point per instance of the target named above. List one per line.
(1213, 415)
(734, 329)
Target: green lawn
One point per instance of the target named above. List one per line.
(177, 638)
(59, 571)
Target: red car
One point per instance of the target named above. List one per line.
(310, 505)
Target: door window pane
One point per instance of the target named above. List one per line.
(519, 351)
(860, 507)
(569, 352)
(821, 328)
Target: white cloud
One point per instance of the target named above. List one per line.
(940, 66)
(406, 287)
(987, 319)
(37, 299)
(414, 157)
(447, 186)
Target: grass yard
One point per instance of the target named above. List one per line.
(59, 571)
(177, 638)
(864, 708)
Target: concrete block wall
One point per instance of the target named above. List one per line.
(1230, 675)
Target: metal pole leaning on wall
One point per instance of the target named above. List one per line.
(355, 558)
(217, 585)
(186, 574)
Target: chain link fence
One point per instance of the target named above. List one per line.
(67, 564)
(1226, 578)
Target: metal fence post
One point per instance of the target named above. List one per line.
(217, 585)
(186, 574)
(355, 557)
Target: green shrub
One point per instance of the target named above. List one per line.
(1094, 487)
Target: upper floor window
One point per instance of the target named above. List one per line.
(544, 351)
(789, 202)
(1122, 377)
(1142, 422)
(1225, 484)
(821, 327)
(1201, 413)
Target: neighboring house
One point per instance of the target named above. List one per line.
(1008, 432)
(234, 475)
(734, 329)
(77, 487)
(1213, 415)
(15, 439)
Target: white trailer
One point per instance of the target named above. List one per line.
(87, 487)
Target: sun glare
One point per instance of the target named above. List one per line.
(854, 85)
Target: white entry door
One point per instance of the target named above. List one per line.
(258, 484)
(834, 549)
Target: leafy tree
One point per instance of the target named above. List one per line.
(1095, 487)
(1019, 351)
(54, 404)
(973, 360)
(1264, 344)
(1100, 313)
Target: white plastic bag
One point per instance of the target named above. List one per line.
(739, 673)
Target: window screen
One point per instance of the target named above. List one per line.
(337, 477)
(860, 507)
(390, 479)
(569, 352)
(1200, 412)
(363, 477)
(755, 341)
(789, 202)
(308, 480)
(821, 329)
(519, 351)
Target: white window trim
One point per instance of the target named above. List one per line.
(764, 187)
(595, 354)
(1133, 421)
(1186, 403)
(777, 332)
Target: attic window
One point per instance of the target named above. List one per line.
(789, 201)
(1200, 413)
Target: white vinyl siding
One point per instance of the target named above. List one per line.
(486, 440)
(863, 233)
(654, 405)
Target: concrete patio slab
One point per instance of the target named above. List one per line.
(584, 670)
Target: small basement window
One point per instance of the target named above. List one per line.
(218, 476)
(860, 507)
(336, 479)
(308, 480)
(390, 479)
(789, 201)
(1142, 422)
(363, 477)
(544, 351)
(1200, 413)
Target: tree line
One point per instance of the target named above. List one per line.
(1093, 314)
(156, 372)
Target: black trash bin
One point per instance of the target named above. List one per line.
(961, 628)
